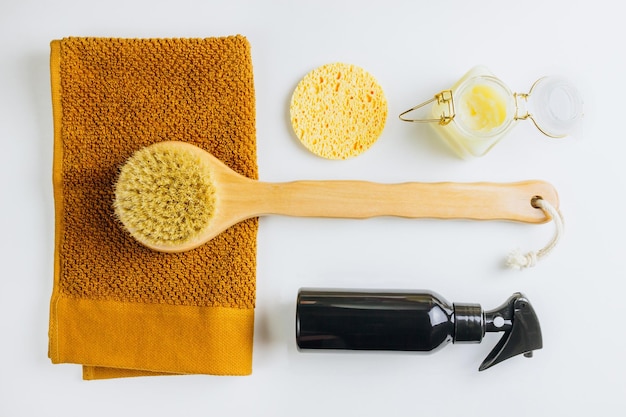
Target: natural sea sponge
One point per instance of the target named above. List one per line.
(338, 111)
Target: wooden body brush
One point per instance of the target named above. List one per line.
(174, 196)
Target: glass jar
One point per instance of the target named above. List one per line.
(479, 110)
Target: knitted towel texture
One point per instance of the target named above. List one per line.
(118, 308)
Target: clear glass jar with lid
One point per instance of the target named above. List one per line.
(479, 110)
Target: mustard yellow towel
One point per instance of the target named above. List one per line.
(118, 308)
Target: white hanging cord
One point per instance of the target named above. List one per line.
(518, 260)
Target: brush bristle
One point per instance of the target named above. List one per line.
(164, 195)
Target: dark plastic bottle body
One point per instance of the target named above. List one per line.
(412, 321)
(416, 321)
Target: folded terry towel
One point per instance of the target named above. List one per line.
(117, 307)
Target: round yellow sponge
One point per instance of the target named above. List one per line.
(164, 195)
(338, 111)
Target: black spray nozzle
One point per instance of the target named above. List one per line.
(411, 321)
(522, 332)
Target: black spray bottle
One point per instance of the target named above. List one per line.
(411, 321)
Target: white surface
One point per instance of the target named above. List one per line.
(415, 49)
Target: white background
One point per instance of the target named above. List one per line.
(414, 48)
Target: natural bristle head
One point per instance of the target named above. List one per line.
(164, 195)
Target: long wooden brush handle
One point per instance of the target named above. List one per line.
(446, 200)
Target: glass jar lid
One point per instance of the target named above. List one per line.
(554, 105)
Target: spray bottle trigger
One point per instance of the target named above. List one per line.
(522, 332)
